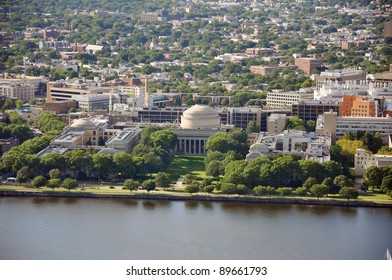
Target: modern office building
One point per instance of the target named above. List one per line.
(337, 126)
(311, 109)
(280, 99)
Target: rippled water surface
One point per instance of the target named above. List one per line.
(64, 228)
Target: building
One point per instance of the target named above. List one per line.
(307, 64)
(357, 106)
(339, 76)
(24, 92)
(39, 83)
(363, 160)
(337, 126)
(311, 109)
(93, 102)
(276, 123)
(198, 123)
(7, 144)
(83, 133)
(124, 140)
(311, 146)
(264, 70)
(68, 90)
(163, 115)
(60, 107)
(388, 29)
(279, 99)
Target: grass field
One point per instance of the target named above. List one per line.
(183, 165)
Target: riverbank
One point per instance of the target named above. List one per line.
(213, 198)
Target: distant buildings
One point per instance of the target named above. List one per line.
(280, 99)
(388, 29)
(24, 92)
(339, 76)
(264, 70)
(307, 64)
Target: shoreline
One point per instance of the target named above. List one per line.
(260, 200)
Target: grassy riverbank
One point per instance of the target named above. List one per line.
(175, 194)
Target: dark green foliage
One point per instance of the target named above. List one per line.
(348, 192)
(70, 184)
(38, 182)
(131, 185)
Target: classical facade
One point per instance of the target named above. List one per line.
(197, 124)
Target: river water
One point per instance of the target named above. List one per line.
(68, 228)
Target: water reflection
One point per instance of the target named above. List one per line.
(208, 205)
(45, 200)
(191, 204)
(152, 204)
(88, 229)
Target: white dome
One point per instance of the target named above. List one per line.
(84, 123)
(200, 117)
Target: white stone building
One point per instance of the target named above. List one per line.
(363, 160)
(313, 146)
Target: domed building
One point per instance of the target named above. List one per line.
(197, 124)
(200, 117)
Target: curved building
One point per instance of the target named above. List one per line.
(200, 117)
(197, 124)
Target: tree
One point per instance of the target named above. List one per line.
(189, 178)
(242, 189)
(23, 174)
(70, 184)
(124, 164)
(55, 173)
(165, 138)
(260, 190)
(301, 191)
(319, 190)
(284, 191)
(131, 185)
(343, 181)
(215, 168)
(209, 189)
(162, 180)
(39, 181)
(252, 127)
(192, 188)
(149, 185)
(18, 103)
(229, 188)
(54, 183)
(102, 164)
(386, 184)
(310, 182)
(348, 192)
(373, 176)
(271, 191)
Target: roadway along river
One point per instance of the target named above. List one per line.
(64, 228)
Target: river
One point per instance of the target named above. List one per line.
(68, 228)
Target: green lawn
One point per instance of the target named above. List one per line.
(183, 165)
